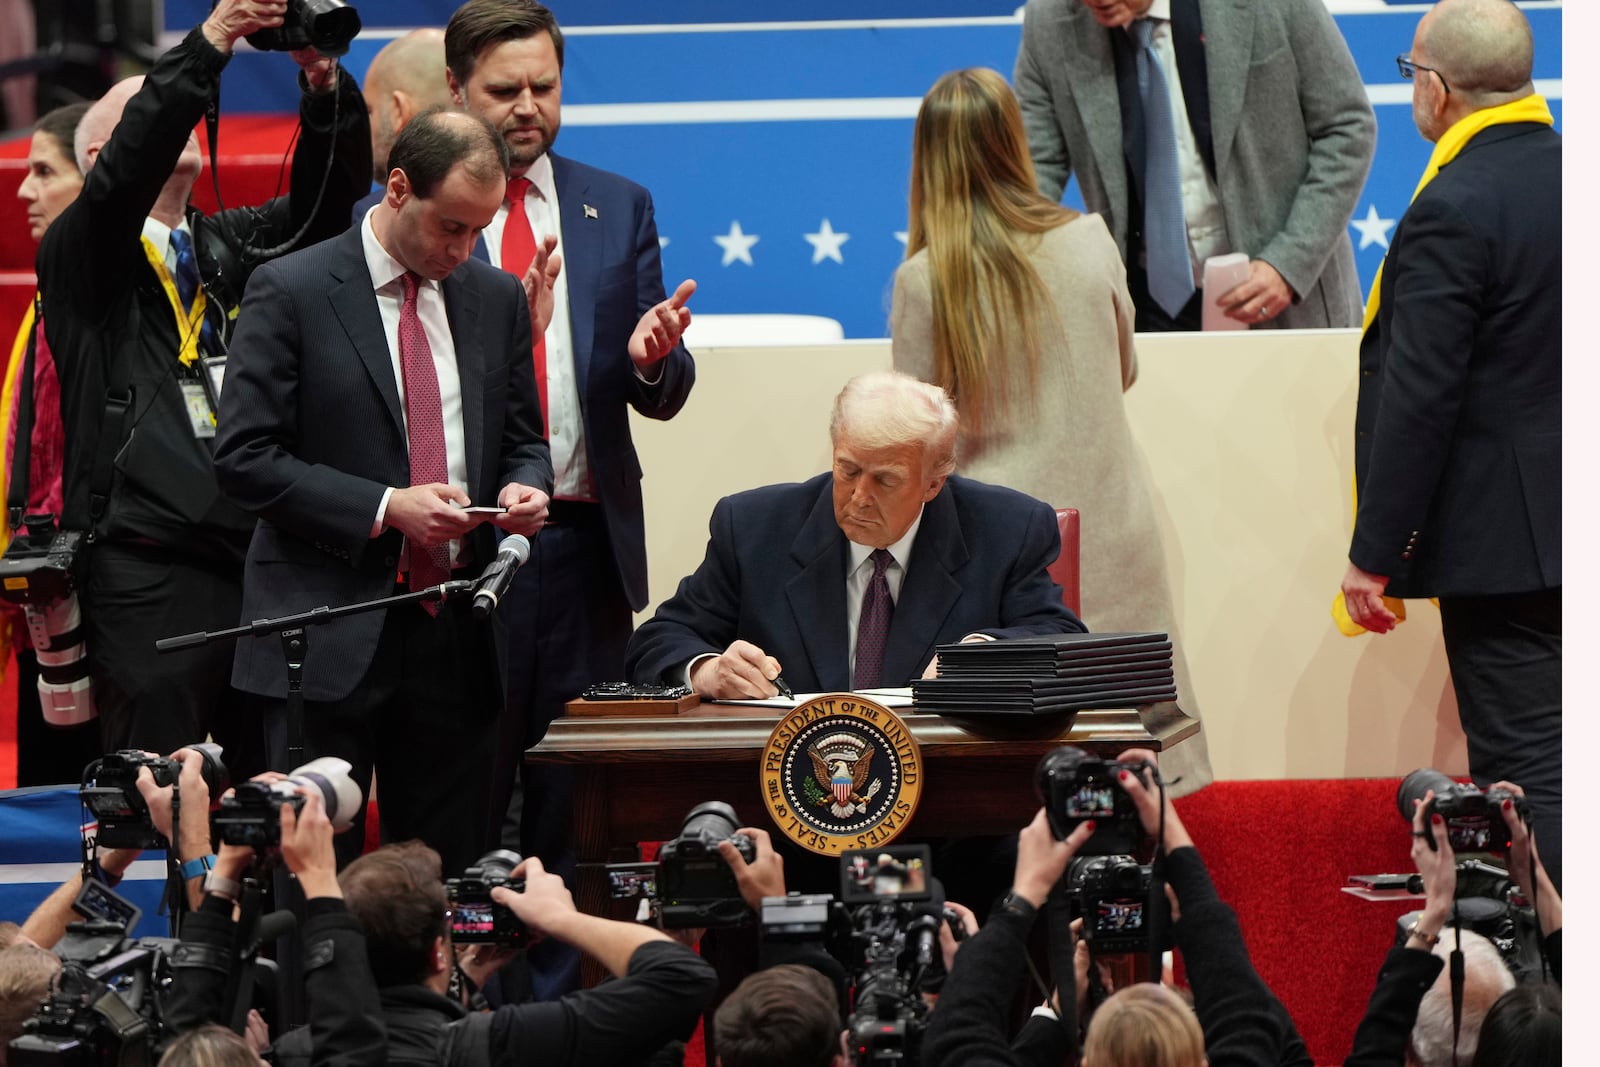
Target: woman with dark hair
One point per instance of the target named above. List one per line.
(1523, 1029)
(1019, 308)
(47, 754)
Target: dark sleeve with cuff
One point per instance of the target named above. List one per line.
(200, 966)
(621, 1021)
(1042, 1042)
(968, 1025)
(345, 1016)
(1385, 1029)
(1245, 1025)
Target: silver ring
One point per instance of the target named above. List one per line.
(1263, 310)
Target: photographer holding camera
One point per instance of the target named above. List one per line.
(345, 1025)
(1242, 1022)
(138, 292)
(397, 895)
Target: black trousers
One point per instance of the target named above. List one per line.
(1505, 663)
(135, 595)
(46, 754)
(569, 622)
(423, 716)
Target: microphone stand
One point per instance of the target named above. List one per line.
(292, 631)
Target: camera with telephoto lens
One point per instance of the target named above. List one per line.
(110, 791)
(326, 25)
(475, 919)
(251, 816)
(894, 930)
(1111, 894)
(1473, 819)
(696, 887)
(1076, 787)
(39, 572)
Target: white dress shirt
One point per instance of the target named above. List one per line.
(1202, 210)
(568, 454)
(389, 289)
(159, 234)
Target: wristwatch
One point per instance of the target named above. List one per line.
(196, 867)
(1018, 904)
(1428, 940)
(222, 887)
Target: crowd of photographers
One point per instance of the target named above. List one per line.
(389, 961)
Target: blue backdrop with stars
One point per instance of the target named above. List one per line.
(779, 153)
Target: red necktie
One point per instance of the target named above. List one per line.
(872, 632)
(424, 432)
(517, 246)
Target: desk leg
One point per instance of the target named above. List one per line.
(589, 841)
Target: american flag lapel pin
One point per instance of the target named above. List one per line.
(589, 212)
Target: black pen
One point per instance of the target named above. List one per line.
(783, 688)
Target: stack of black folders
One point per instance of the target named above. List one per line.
(1043, 675)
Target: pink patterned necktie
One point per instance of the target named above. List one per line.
(424, 432)
(872, 633)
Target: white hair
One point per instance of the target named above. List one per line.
(1486, 978)
(882, 409)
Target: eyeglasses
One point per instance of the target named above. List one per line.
(1408, 70)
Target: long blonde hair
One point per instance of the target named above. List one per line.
(1144, 1025)
(977, 209)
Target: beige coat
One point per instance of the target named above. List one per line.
(1065, 438)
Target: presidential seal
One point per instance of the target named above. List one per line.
(840, 773)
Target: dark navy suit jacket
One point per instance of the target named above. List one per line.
(311, 432)
(1458, 418)
(611, 257)
(977, 566)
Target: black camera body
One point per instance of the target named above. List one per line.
(105, 1006)
(475, 919)
(1076, 787)
(1111, 894)
(120, 810)
(1474, 820)
(41, 564)
(696, 887)
(326, 25)
(252, 816)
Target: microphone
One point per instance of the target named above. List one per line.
(497, 578)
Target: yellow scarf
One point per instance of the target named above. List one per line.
(1528, 109)
(188, 319)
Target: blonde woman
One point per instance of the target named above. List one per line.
(1019, 308)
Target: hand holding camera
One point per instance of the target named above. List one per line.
(1435, 861)
(543, 904)
(1151, 804)
(757, 878)
(306, 840)
(194, 798)
(232, 19)
(1041, 859)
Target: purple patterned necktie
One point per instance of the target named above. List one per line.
(424, 433)
(872, 633)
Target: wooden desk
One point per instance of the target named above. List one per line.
(638, 777)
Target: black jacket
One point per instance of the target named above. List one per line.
(112, 324)
(345, 1028)
(620, 1022)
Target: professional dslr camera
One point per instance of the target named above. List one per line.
(251, 816)
(1473, 819)
(1111, 894)
(39, 571)
(1076, 787)
(110, 790)
(695, 886)
(474, 916)
(326, 25)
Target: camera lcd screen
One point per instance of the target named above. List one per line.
(107, 803)
(1093, 800)
(1119, 915)
(98, 901)
(897, 873)
(629, 881)
(472, 919)
(1471, 833)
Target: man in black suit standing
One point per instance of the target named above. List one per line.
(380, 386)
(1458, 421)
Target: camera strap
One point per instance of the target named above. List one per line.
(1458, 984)
(22, 451)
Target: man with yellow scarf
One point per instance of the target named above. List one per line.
(1458, 417)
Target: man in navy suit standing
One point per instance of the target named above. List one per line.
(377, 388)
(613, 342)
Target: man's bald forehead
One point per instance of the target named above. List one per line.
(103, 116)
(1481, 45)
(410, 62)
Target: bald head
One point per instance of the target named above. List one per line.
(94, 129)
(406, 78)
(1484, 49)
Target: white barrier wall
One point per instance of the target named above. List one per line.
(1249, 443)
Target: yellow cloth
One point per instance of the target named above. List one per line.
(188, 320)
(1529, 109)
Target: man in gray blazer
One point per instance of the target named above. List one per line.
(1272, 133)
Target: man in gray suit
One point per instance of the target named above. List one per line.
(1261, 140)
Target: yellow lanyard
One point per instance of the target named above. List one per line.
(188, 321)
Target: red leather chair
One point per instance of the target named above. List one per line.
(1065, 569)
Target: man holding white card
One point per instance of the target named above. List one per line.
(1203, 127)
